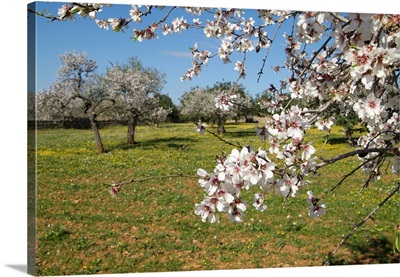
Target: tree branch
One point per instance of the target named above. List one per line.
(266, 56)
(358, 225)
(117, 186)
(223, 140)
(353, 153)
(49, 16)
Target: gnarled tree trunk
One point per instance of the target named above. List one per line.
(221, 125)
(132, 123)
(96, 133)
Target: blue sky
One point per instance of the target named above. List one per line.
(169, 54)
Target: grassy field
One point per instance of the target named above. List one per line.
(151, 226)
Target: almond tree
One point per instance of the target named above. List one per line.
(53, 104)
(203, 104)
(135, 89)
(78, 84)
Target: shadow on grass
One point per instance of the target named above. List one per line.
(376, 251)
(172, 143)
(239, 134)
(342, 140)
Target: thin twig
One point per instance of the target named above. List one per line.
(358, 225)
(120, 184)
(266, 56)
(346, 176)
(49, 16)
(223, 140)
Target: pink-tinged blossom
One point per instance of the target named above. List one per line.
(179, 24)
(102, 23)
(311, 198)
(115, 23)
(244, 45)
(166, 29)
(211, 30)
(196, 21)
(251, 175)
(225, 100)
(308, 151)
(308, 166)
(65, 12)
(274, 146)
(287, 185)
(202, 56)
(369, 109)
(225, 51)
(135, 14)
(265, 166)
(239, 66)
(206, 212)
(359, 22)
(234, 172)
(210, 182)
(325, 124)
(315, 209)
(225, 196)
(202, 173)
(218, 203)
(309, 28)
(340, 38)
(372, 106)
(296, 127)
(259, 202)
(236, 211)
(115, 189)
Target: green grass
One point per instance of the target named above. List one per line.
(151, 226)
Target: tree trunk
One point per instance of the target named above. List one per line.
(95, 129)
(132, 123)
(221, 125)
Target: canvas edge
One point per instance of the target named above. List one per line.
(31, 141)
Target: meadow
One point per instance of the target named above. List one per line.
(151, 226)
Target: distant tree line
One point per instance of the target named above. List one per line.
(129, 94)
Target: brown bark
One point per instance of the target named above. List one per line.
(132, 123)
(96, 133)
(221, 125)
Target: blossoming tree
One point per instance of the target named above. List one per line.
(78, 89)
(340, 62)
(135, 88)
(124, 92)
(203, 104)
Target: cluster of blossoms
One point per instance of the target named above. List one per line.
(311, 27)
(369, 63)
(274, 104)
(233, 173)
(325, 124)
(316, 208)
(239, 171)
(225, 100)
(80, 9)
(246, 168)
